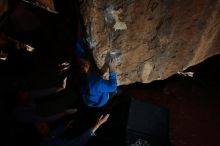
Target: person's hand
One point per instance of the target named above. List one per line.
(112, 64)
(104, 68)
(101, 120)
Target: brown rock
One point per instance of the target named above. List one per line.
(47, 3)
(157, 38)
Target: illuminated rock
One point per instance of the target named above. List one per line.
(157, 38)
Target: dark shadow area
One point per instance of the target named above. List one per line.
(193, 103)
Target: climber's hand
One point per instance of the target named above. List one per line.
(112, 64)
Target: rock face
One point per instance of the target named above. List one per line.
(157, 38)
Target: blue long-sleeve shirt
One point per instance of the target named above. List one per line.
(54, 140)
(99, 89)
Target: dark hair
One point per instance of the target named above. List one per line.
(84, 83)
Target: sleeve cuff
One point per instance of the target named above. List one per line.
(112, 74)
(92, 133)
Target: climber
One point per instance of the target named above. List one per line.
(95, 91)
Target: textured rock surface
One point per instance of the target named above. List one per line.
(47, 3)
(157, 38)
